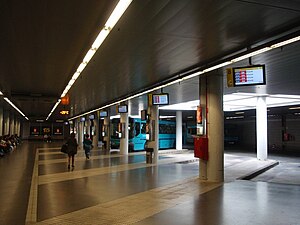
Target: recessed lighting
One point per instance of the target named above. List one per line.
(234, 117)
(294, 108)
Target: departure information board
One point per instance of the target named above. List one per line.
(251, 75)
(160, 99)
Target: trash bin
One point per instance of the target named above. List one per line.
(149, 155)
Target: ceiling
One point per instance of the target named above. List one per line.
(43, 42)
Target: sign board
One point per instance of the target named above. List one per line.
(64, 112)
(229, 73)
(250, 75)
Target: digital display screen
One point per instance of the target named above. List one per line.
(103, 113)
(92, 117)
(82, 119)
(46, 130)
(251, 75)
(160, 99)
(57, 130)
(34, 130)
(122, 108)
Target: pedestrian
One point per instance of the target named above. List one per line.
(72, 149)
(87, 146)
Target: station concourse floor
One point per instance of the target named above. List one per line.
(38, 188)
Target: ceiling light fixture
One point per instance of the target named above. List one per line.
(245, 56)
(110, 23)
(15, 107)
(294, 108)
(280, 44)
(54, 107)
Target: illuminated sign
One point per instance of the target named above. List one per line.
(34, 130)
(122, 109)
(160, 99)
(46, 129)
(57, 130)
(229, 72)
(65, 100)
(250, 75)
(64, 112)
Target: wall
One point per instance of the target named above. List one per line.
(26, 132)
(247, 134)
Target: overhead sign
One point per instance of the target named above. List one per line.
(250, 75)
(65, 100)
(64, 112)
(34, 130)
(58, 130)
(46, 130)
(160, 99)
(229, 72)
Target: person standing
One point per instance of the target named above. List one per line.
(87, 146)
(72, 149)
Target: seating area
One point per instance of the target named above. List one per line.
(8, 143)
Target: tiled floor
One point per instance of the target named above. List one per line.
(38, 188)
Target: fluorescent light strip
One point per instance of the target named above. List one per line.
(280, 44)
(216, 67)
(89, 55)
(251, 54)
(117, 13)
(15, 107)
(265, 49)
(110, 23)
(294, 108)
(234, 117)
(54, 107)
(1, 93)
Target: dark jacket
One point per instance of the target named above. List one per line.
(72, 146)
(87, 144)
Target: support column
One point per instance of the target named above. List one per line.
(12, 124)
(106, 124)
(124, 140)
(203, 105)
(261, 128)
(211, 98)
(1, 121)
(96, 131)
(16, 126)
(154, 129)
(179, 130)
(88, 124)
(19, 128)
(6, 123)
(80, 131)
